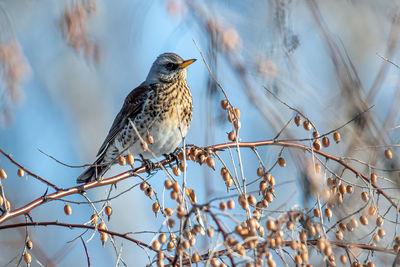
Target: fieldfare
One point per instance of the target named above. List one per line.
(161, 107)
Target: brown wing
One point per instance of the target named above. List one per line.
(132, 106)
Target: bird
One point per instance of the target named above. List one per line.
(160, 107)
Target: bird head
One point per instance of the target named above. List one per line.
(167, 68)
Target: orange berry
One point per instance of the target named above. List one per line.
(325, 141)
(224, 104)
(149, 139)
(364, 220)
(176, 171)
(130, 159)
(3, 174)
(297, 120)
(232, 136)
(108, 210)
(210, 162)
(374, 178)
(121, 160)
(364, 196)
(27, 257)
(176, 187)
(29, 244)
(388, 153)
(67, 209)
(336, 137)
(144, 186)
(20, 172)
(94, 218)
(231, 204)
(168, 184)
(155, 207)
(281, 162)
(307, 125)
(317, 145)
(156, 245)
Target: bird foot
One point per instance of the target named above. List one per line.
(172, 156)
(150, 166)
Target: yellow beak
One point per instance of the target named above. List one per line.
(187, 63)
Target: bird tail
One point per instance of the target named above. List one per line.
(94, 172)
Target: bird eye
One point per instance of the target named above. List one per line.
(171, 66)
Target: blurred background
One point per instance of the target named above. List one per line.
(66, 67)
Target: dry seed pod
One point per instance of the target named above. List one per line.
(121, 160)
(321, 244)
(168, 211)
(376, 238)
(281, 162)
(168, 184)
(182, 166)
(149, 192)
(155, 207)
(364, 220)
(339, 235)
(20, 172)
(231, 136)
(222, 205)
(342, 189)
(263, 185)
(210, 162)
(374, 178)
(252, 200)
(67, 209)
(224, 104)
(103, 237)
(317, 145)
(156, 245)
(328, 213)
(237, 112)
(260, 171)
(210, 232)
(336, 137)
(171, 223)
(176, 187)
(144, 186)
(3, 174)
(94, 218)
(297, 120)
(176, 171)
(271, 225)
(349, 189)
(27, 257)
(316, 213)
(195, 257)
(149, 139)
(231, 204)
(298, 260)
(364, 196)
(343, 226)
(371, 211)
(381, 232)
(318, 168)
(144, 146)
(303, 237)
(130, 159)
(343, 258)
(388, 153)
(307, 125)
(325, 141)
(108, 210)
(29, 244)
(102, 226)
(379, 221)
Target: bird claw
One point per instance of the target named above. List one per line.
(172, 156)
(150, 166)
